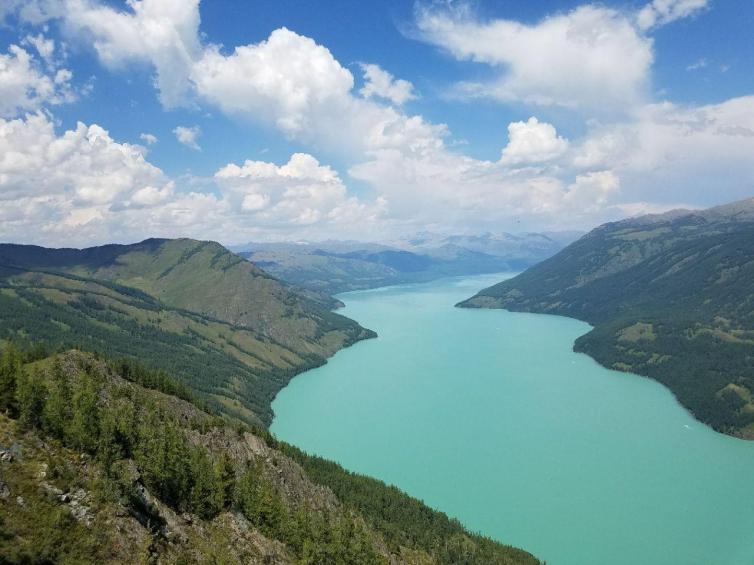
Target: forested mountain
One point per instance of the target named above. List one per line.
(338, 266)
(223, 326)
(100, 463)
(670, 296)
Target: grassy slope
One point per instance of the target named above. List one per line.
(225, 327)
(111, 511)
(671, 297)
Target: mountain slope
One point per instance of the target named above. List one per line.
(335, 266)
(670, 296)
(224, 326)
(97, 468)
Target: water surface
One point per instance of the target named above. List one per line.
(489, 416)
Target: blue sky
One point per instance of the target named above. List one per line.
(501, 116)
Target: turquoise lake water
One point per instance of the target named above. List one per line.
(490, 417)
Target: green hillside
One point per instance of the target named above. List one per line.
(99, 465)
(226, 328)
(669, 296)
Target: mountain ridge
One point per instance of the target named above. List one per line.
(340, 266)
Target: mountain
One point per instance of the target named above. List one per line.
(101, 463)
(225, 327)
(338, 266)
(530, 245)
(670, 296)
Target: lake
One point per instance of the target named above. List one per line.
(491, 417)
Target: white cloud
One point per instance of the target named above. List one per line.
(84, 187)
(440, 188)
(288, 77)
(34, 12)
(80, 187)
(188, 136)
(662, 156)
(380, 83)
(301, 192)
(661, 12)
(45, 47)
(296, 85)
(84, 165)
(163, 33)
(532, 142)
(150, 196)
(148, 138)
(591, 191)
(699, 64)
(590, 58)
(671, 153)
(24, 86)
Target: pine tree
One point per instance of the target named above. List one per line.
(31, 395)
(57, 411)
(227, 473)
(207, 488)
(10, 366)
(84, 427)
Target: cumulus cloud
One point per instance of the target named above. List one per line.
(380, 83)
(301, 192)
(84, 187)
(24, 86)
(591, 191)
(148, 138)
(441, 188)
(287, 77)
(532, 142)
(661, 12)
(163, 33)
(296, 85)
(677, 153)
(84, 165)
(188, 136)
(590, 58)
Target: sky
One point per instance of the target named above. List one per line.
(303, 120)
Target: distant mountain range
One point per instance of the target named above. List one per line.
(670, 296)
(338, 266)
(230, 331)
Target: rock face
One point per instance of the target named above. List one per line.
(671, 296)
